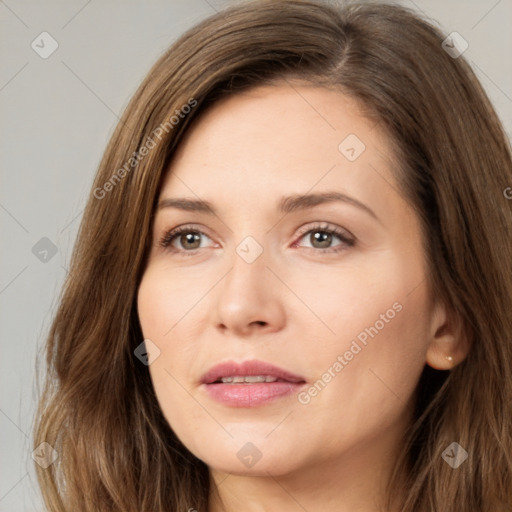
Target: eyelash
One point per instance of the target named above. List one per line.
(170, 235)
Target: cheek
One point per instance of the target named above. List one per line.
(366, 370)
(381, 296)
(367, 373)
(155, 304)
(163, 304)
(161, 310)
(167, 299)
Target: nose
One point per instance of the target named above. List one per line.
(249, 298)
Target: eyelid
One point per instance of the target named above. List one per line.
(326, 226)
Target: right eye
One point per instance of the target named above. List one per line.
(188, 237)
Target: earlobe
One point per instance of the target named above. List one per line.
(449, 344)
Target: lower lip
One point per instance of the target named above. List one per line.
(251, 395)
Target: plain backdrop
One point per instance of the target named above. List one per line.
(57, 115)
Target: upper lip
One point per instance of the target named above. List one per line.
(232, 369)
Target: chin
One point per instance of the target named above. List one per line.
(270, 467)
(255, 458)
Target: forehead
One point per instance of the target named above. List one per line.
(280, 117)
(281, 138)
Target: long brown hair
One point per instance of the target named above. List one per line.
(98, 410)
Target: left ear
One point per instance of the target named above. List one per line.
(449, 343)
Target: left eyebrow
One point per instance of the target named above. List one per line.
(286, 204)
(302, 202)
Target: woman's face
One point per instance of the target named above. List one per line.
(310, 261)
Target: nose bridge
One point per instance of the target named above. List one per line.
(250, 250)
(248, 264)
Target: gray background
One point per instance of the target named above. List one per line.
(57, 116)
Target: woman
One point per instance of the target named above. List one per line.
(337, 335)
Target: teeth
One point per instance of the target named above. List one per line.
(248, 379)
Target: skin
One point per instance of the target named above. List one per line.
(296, 305)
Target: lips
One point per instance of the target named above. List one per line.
(249, 369)
(249, 384)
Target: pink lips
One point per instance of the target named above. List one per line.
(249, 394)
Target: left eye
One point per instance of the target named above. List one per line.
(322, 238)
